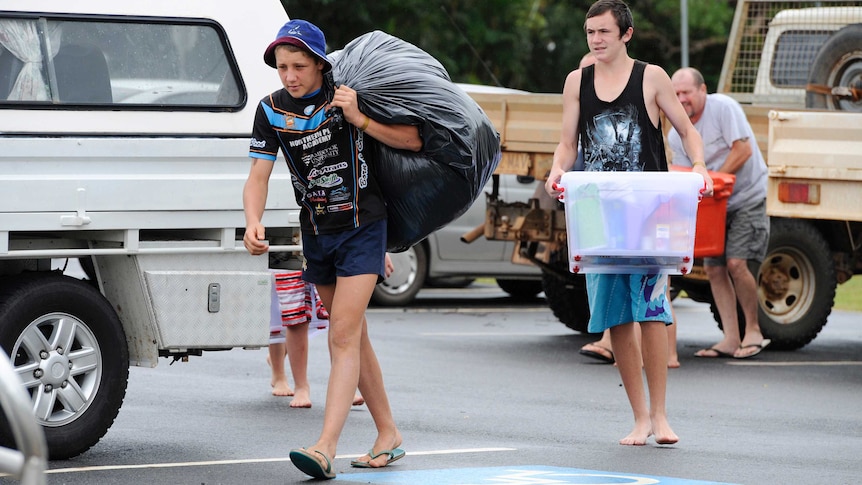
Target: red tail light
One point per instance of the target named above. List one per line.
(799, 193)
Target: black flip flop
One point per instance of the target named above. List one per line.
(718, 354)
(599, 356)
(758, 349)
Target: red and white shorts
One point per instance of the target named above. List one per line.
(294, 302)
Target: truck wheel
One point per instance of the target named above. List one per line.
(69, 349)
(740, 318)
(401, 287)
(450, 282)
(796, 284)
(521, 289)
(567, 299)
(838, 64)
(695, 289)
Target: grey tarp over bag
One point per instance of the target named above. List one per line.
(396, 82)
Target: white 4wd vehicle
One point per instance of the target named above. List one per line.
(809, 61)
(125, 130)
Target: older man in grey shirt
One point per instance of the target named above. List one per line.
(729, 147)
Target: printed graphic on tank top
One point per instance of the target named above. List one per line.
(618, 135)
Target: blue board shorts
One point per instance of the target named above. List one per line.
(616, 299)
(349, 253)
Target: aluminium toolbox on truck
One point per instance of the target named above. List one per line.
(125, 134)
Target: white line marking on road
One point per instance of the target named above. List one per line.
(796, 364)
(455, 452)
(460, 310)
(254, 460)
(490, 334)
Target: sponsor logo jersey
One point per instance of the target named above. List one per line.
(328, 163)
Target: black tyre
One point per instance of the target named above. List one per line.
(838, 65)
(401, 287)
(740, 315)
(696, 289)
(69, 349)
(521, 290)
(740, 318)
(566, 294)
(449, 282)
(796, 284)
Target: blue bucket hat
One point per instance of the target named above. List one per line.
(302, 34)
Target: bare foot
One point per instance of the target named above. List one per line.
(358, 400)
(638, 436)
(280, 388)
(302, 399)
(664, 435)
(673, 362)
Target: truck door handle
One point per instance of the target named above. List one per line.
(80, 218)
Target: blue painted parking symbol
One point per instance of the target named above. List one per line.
(523, 475)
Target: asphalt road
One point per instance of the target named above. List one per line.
(489, 392)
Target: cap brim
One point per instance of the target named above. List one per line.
(269, 53)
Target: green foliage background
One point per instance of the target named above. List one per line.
(848, 296)
(522, 44)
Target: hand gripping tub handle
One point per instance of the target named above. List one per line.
(559, 188)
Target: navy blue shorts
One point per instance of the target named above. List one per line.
(350, 253)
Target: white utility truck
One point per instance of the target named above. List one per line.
(124, 138)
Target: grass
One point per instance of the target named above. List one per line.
(849, 295)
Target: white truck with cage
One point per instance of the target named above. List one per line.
(810, 62)
(125, 130)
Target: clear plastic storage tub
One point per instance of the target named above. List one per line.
(631, 222)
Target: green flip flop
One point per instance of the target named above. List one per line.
(308, 464)
(395, 454)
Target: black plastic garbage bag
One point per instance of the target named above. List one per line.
(396, 82)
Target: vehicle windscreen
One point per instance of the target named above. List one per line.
(105, 62)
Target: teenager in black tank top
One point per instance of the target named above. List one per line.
(618, 135)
